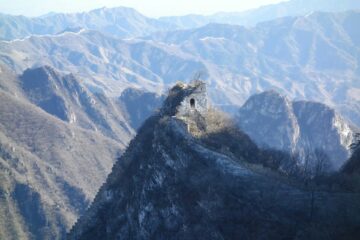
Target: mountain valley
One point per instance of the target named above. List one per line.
(235, 125)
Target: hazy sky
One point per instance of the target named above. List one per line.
(151, 8)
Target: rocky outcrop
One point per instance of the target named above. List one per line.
(270, 121)
(300, 127)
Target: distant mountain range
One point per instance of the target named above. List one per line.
(268, 12)
(127, 22)
(314, 57)
(120, 22)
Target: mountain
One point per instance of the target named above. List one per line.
(324, 130)
(107, 64)
(52, 163)
(172, 184)
(66, 98)
(297, 56)
(50, 166)
(139, 105)
(269, 119)
(314, 57)
(120, 22)
(126, 22)
(302, 127)
(265, 13)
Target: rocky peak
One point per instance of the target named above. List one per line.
(301, 127)
(323, 129)
(269, 119)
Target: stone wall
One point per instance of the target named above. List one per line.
(197, 100)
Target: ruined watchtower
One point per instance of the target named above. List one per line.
(195, 102)
(193, 107)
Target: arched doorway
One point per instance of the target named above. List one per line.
(192, 103)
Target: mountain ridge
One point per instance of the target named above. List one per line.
(127, 22)
(50, 169)
(187, 190)
(120, 22)
(254, 16)
(311, 58)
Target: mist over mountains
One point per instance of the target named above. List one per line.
(78, 90)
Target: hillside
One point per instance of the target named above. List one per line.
(65, 97)
(300, 127)
(50, 168)
(169, 184)
(49, 164)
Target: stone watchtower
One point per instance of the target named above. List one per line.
(196, 101)
(193, 108)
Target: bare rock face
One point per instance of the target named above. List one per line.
(324, 130)
(302, 127)
(170, 185)
(270, 121)
(66, 98)
(45, 88)
(139, 105)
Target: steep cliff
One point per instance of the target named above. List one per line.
(306, 128)
(170, 184)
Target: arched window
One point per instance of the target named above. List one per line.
(192, 103)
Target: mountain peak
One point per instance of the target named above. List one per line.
(171, 185)
(304, 127)
(268, 102)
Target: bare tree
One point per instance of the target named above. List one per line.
(321, 163)
(198, 75)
